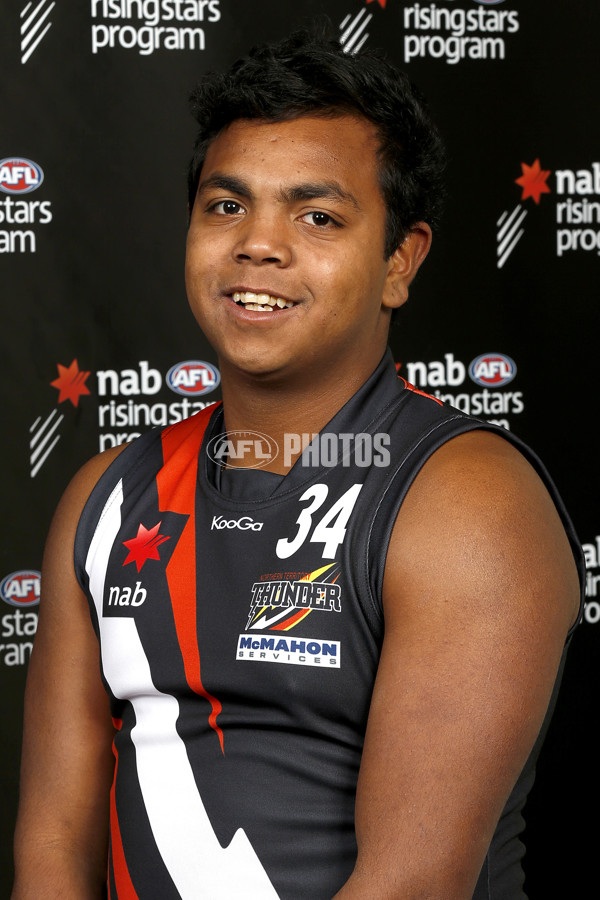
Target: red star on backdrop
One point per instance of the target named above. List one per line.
(381, 3)
(144, 545)
(533, 181)
(70, 383)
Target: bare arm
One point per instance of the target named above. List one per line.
(61, 837)
(480, 590)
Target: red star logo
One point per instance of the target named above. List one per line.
(381, 3)
(533, 181)
(144, 545)
(70, 383)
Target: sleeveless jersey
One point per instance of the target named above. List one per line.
(240, 631)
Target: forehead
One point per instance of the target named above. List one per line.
(343, 148)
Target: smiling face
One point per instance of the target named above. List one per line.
(284, 267)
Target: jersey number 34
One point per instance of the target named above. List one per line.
(329, 530)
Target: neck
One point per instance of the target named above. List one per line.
(287, 409)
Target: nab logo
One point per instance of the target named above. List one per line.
(19, 176)
(21, 589)
(492, 370)
(193, 378)
(127, 597)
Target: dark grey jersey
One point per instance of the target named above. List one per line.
(240, 623)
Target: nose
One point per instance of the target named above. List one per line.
(262, 240)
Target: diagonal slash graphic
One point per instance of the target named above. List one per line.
(43, 441)
(508, 235)
(352, 31)
(31, 35)
(188, 845)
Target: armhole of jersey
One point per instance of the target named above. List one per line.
(95, 506)
(384, 518)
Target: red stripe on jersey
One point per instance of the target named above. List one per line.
(411, 387)
(176, 483)
(123, 883)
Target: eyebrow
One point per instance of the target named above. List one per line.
(228, 183)
(320, 190)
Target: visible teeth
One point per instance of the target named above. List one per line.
(262, 302)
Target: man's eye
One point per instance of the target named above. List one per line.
(226, 208)
(321, 219)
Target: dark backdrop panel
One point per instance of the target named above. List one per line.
(94, 94)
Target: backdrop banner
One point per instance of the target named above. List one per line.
(100, 346)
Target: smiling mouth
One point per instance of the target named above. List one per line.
(260, 302)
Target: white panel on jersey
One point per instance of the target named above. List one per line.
(184, 836)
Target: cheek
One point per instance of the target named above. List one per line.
(200, 265)
(349, 285)
(335, 274)
(204, 245)
(195, 280)
(191, 257)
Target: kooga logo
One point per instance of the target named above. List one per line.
(244, 524)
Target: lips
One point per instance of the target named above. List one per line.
(260, 302)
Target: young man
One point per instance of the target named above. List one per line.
(322, 679)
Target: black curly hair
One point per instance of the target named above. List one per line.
(308, 73)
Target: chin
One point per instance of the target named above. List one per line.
(258, 366)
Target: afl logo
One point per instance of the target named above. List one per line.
(19, 176)
(193, 378)
(21, 588)
(249, 449)
(489, 2)
(492, 370)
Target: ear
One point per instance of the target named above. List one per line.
(404, 264)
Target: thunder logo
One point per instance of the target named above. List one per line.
(281, 605)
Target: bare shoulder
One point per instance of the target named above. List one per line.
(480, 589)
(479, 513)
(84, 481)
